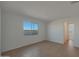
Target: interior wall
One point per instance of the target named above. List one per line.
(56, 30)
(13, 33)
(3, 17)
(0, 31)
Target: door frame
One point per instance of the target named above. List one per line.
(66, 38)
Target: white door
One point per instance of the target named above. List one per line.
(71, 31)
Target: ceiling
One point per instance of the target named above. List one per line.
(44, 10)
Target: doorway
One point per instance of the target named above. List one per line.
(69, 29)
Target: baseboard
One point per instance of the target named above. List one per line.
(2, 53)
(56, 42)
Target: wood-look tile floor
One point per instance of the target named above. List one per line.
(44, 49)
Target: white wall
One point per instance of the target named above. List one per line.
(0, 31)
(13, 34)
(56, 30)
(3, 17)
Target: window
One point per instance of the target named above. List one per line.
(30, 28)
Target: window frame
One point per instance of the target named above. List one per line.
(31, 31)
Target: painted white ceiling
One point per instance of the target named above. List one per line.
(44, 10)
